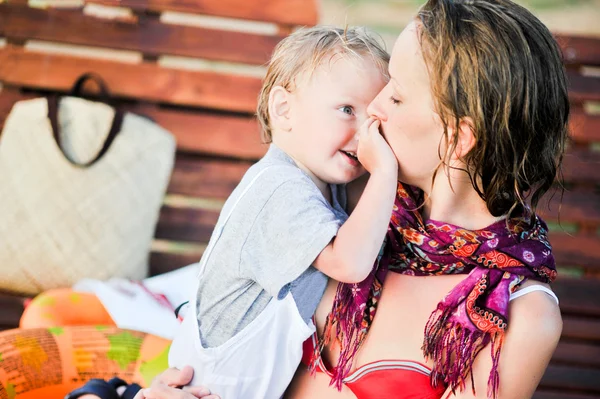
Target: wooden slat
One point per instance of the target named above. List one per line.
(239, 136)
(11, 309)
(149, 36)
(195, 225)
(210, 133)
(585, 128)
(202, 177)
(163, 262)
(576, 353)
(581, 328)
(136, 81)
(186, 224)
(287, 12)
(582, 166)
(573, 206)
(577, 250)
(198, 132)
(583, 88)
(567, 377)
(579, 50)
(578, 296)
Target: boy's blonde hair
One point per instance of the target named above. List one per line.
(304, 50)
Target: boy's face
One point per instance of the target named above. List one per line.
(326, 111)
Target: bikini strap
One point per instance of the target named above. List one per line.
(532, 288)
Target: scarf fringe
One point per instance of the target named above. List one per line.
(349, 337)
(454, 348)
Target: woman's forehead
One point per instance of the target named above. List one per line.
(407, 62)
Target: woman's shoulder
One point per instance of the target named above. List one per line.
(535, 316)
(534, 328)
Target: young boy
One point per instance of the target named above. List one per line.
(285, 228)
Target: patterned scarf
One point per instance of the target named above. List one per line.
(475, 313)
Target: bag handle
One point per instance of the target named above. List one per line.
(77, 91)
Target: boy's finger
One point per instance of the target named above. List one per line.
(374, 127)
(364, 130)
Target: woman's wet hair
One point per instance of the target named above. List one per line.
(494, 65)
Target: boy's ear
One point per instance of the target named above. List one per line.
(466, 138)
(279, 108)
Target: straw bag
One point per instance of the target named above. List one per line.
(79, 198)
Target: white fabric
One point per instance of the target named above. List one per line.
(257, 362)
(533, 288)
(129, 304)
(61, 223)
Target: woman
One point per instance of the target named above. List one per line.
(476, 112)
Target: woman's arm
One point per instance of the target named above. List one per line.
(534, 330)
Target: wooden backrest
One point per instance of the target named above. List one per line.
(576, 240)
(574, 372)
(208, 104)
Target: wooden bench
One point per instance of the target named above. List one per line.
(209, 109)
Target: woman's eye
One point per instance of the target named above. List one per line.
(347, 110)
(394, 101)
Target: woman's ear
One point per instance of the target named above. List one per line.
(465, 140)
(279, 109)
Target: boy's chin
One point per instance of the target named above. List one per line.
(347, 177)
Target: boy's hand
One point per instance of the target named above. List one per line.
(374, 153)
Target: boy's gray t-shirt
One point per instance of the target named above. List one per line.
(267, 247)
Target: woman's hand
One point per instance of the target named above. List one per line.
(166, 386)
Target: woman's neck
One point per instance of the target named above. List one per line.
(459, 205)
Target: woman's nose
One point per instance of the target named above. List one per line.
(376, 109)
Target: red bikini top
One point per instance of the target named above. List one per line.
(383, 379)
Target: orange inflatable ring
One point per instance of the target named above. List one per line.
(48, 363)
(65, 307)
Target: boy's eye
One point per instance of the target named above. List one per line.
(347, 110)
(394, 101)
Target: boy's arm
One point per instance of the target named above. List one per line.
(350, 256)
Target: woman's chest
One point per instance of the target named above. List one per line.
(398, 328)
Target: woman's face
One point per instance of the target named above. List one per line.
(406, 110)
